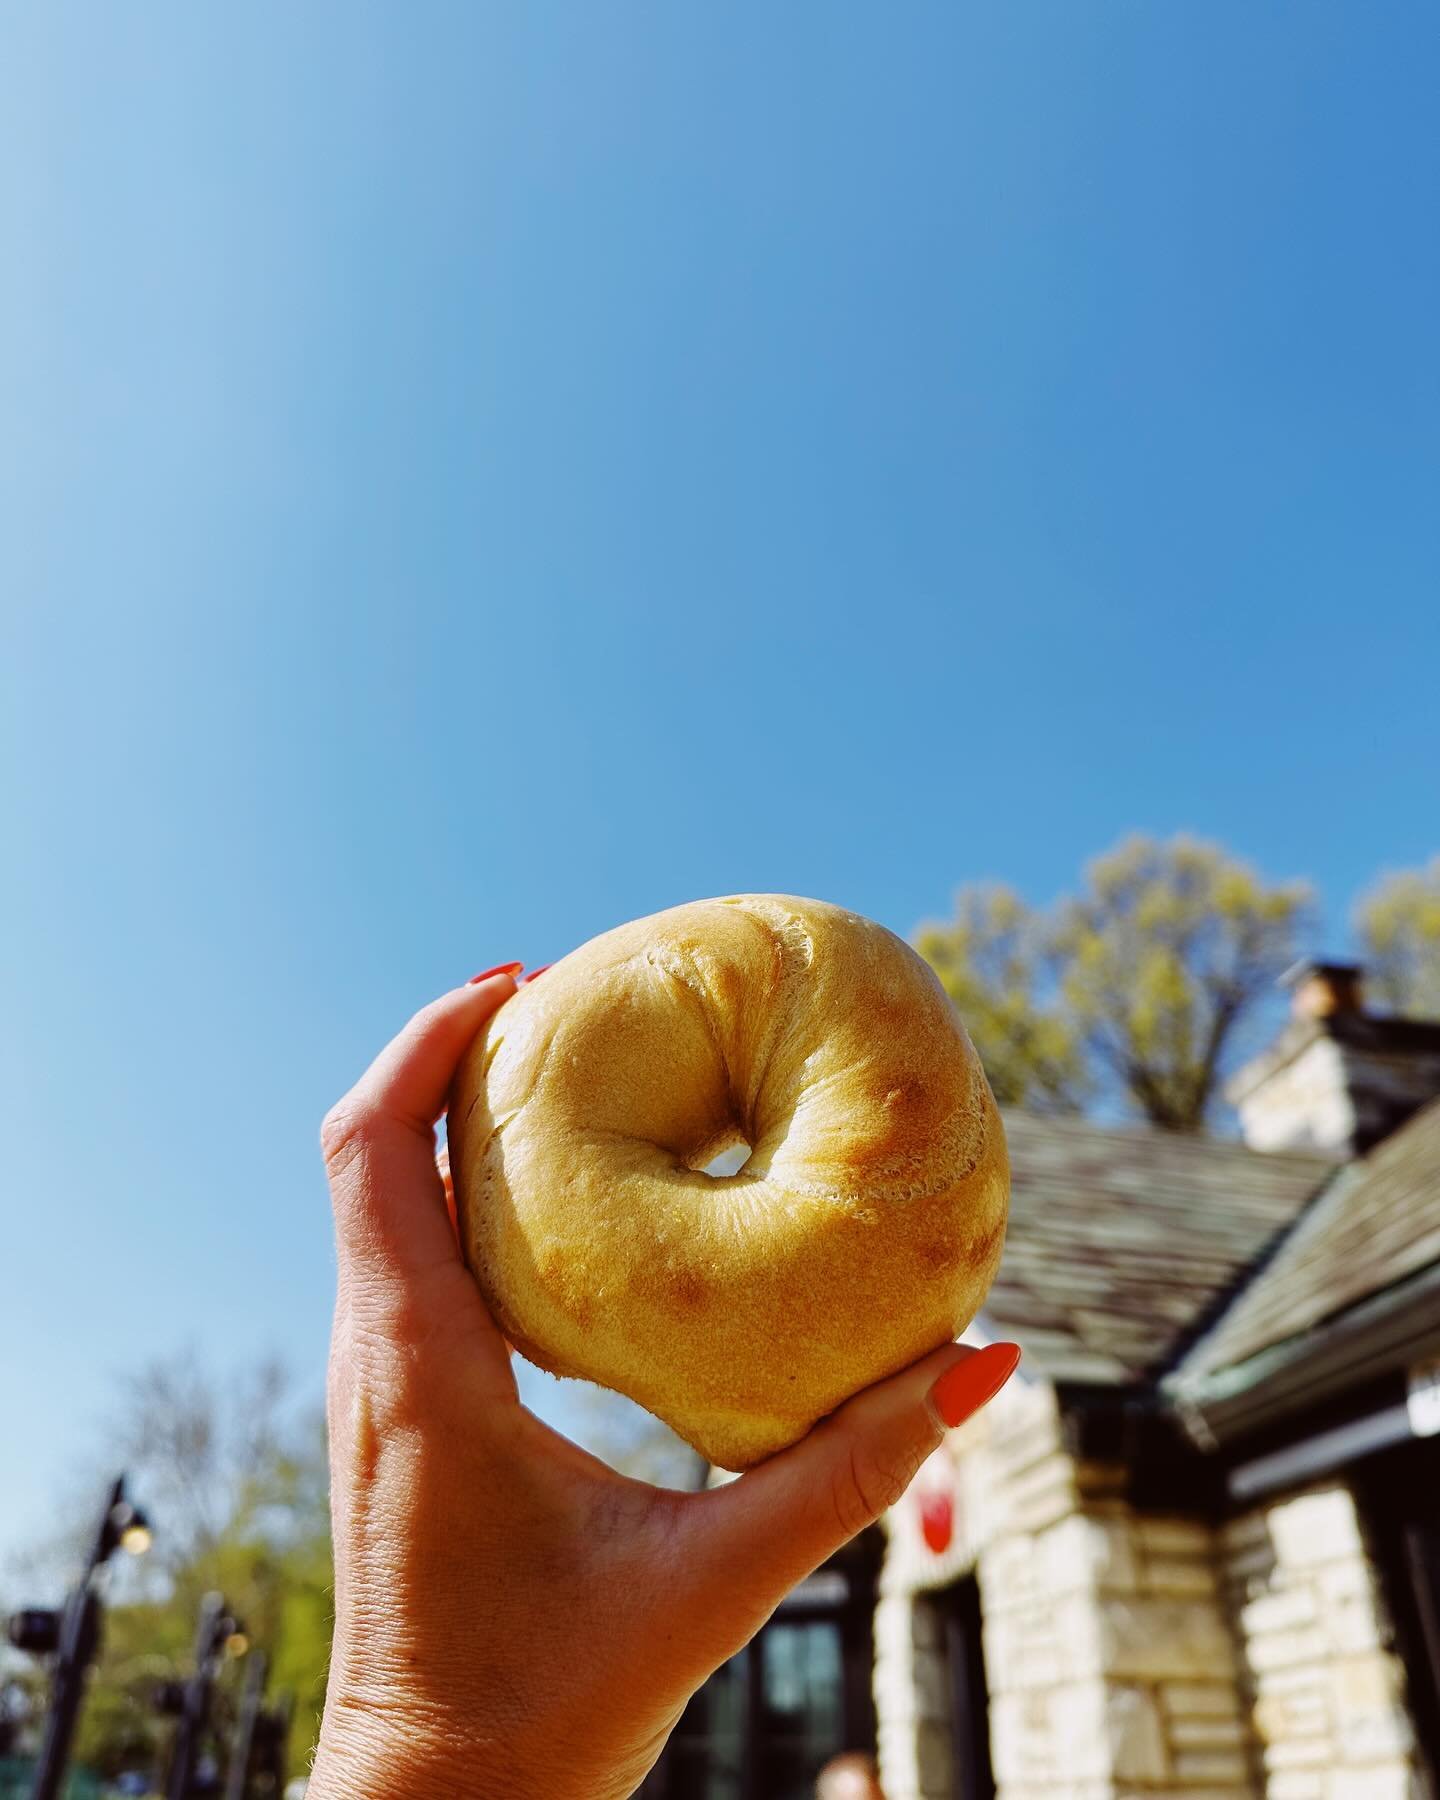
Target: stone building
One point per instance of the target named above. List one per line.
(1193, 1548)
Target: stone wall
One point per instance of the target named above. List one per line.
(1111, 1664)
(1108, 1654)
(1327, 1693)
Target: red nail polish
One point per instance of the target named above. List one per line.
(962, 1391)
(535, 974)
(499, 969)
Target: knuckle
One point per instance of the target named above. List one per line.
(865, 1486)
(343, 1133)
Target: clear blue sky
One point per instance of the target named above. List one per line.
(471, 474)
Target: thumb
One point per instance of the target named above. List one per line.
(770, 1528)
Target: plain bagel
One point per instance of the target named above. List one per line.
(863, 1231)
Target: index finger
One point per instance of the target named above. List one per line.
(379, 1140)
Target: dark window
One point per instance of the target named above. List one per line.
(1397, 1492)
(969, 1694)
(955, 1616)
(766, 1723)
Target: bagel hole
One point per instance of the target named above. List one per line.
(729, 1161)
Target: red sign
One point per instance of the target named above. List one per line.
(937, 1520)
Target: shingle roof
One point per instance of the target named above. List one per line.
(1377, 1222)
(1122, 1242)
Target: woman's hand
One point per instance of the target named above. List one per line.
(514, 1619)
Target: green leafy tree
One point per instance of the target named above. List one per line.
(993, 960)
(1144, 987)
(1164, 960)
(1399, 928)
(234, 1478)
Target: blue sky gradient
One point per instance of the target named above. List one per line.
(472, 474)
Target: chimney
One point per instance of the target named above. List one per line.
(1338, 1078)
(1321, 990)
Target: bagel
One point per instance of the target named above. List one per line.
(863, 1231)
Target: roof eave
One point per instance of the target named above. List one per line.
(1384, 1334)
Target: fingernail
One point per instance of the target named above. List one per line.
(535, 974)
(962, 1391)
(499, 969)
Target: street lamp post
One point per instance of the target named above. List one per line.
(268, 1770)
(257, 1751)
(214, 1633)
(72, 1636)
(237, 1776)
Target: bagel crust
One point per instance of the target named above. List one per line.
(863, 1231)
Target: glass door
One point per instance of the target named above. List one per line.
(766, 1723)
(800, 1699)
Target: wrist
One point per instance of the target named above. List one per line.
(361, 1759)
(390, 1750)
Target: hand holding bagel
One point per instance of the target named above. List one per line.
(513, 1618)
